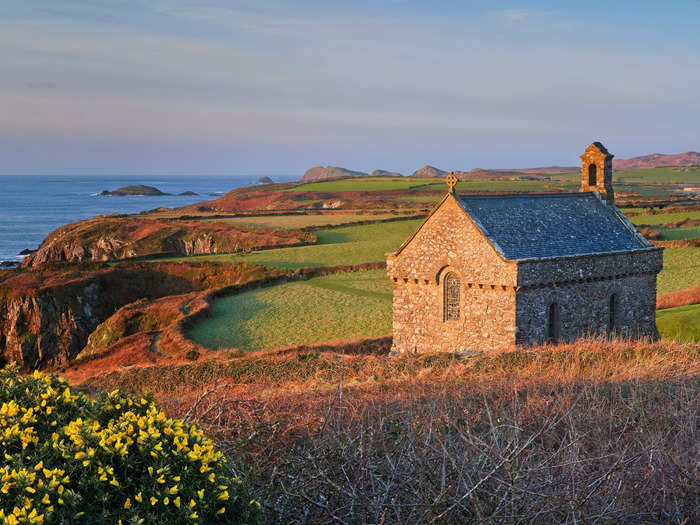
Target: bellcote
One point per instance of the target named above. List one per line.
(596, 171)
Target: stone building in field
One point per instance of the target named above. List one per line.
(493, 271)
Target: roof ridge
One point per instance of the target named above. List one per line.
(521, 195)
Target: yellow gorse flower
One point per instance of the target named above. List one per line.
(42, 472)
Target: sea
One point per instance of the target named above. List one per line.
(32, 206)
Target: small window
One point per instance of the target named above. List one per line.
(451, 297)
(553, 323)
(592, 175)
(612, 314)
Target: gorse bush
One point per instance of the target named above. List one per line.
(68, 459)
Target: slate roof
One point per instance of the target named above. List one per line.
(552, 225)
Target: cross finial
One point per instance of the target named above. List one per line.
(451, 180)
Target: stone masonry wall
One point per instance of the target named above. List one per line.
(487, 318)
(584, 308)
(450, 242)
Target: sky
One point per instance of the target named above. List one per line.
(228, 87)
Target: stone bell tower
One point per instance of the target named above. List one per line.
(596, 171)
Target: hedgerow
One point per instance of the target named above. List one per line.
(69, 459)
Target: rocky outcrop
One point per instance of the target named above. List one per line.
(265, 180)
(111, 238)
(46, 318)
(137, 190)
(329, 172)
(429, 172)
(658, 160)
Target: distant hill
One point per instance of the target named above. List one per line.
(657, 160)
(329, 172)
(384, 173)
(429, 172)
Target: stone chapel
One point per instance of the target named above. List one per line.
(487, 272)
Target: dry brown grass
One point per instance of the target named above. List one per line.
(592, 432)
(678, 298)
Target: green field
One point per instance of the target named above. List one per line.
(336, 307)
(467, 186)
(682, 323)
(294, 222)
(337, 246)
(664, 218)
(681, 269)
(680, 234)
(671, 175)
(363, 184)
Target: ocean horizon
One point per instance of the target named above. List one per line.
(32, 206)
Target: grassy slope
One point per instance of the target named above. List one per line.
(336, 307)
(293, 222)
(600, 431)
(681, 269)
(337, 246)
(682, 323)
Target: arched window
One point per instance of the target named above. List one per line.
(553, 323)
(451, 297)
(592, 175)
(612, 313)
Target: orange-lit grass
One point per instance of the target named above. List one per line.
(591, 429)
(678, 298)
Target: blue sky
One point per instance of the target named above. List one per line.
(274, 87)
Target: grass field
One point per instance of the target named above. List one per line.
(343, 306)
(345, 245)
(363, 184)
(682, 323)
(664, 218)
(681, 269)
(679, 234)
(467, 186)
(688, 175)
(293, 222)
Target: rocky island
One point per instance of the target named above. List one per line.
(137, 190)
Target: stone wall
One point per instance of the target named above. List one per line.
(589, 267)
(584, 308)
(450, 242)
(487, 318)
